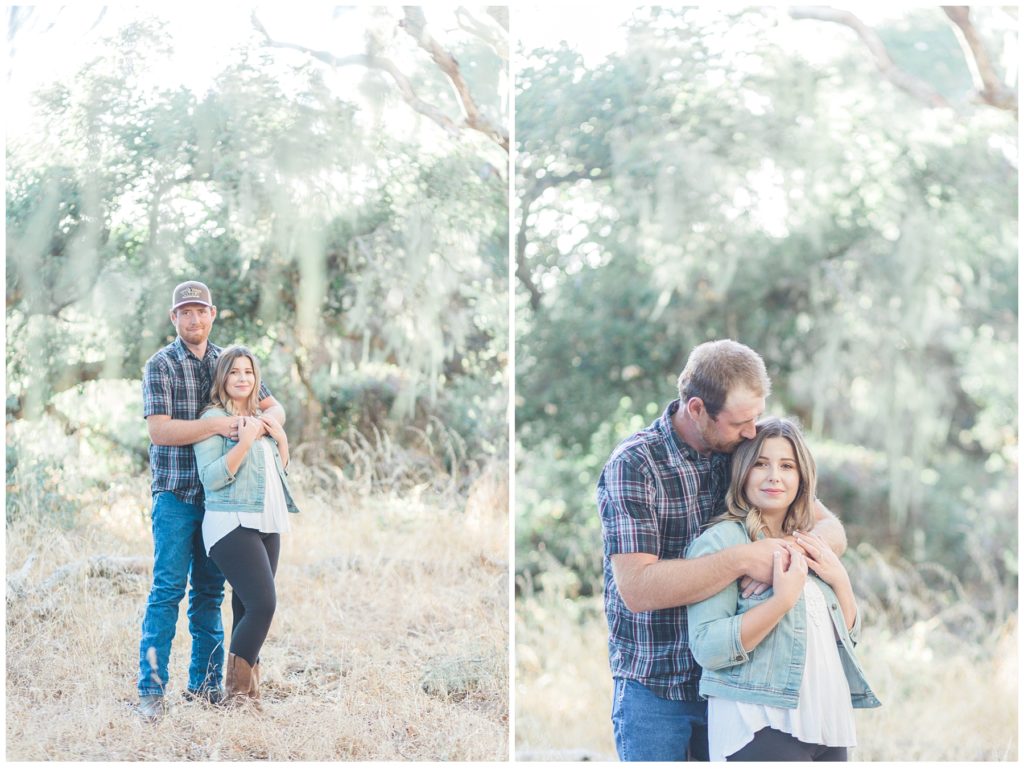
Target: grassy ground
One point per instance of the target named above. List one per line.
(944, 698)
(390, 640)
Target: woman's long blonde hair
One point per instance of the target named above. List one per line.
(218, 393)
(801, 512)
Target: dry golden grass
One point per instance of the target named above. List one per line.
(390, 640)
(944, 699)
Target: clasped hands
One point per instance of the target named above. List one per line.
(812, 548)
(251, 427)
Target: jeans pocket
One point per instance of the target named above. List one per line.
(618, 690)
(158, 497)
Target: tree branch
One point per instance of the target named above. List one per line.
(530, 195)
(991, 88)
(415, 24)
(70, 376)
(522, 270)
(490, 32)
(383, 64)
(373, 62)
(500, 14)
(899, 78)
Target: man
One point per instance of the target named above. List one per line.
(656, 492)
(175, 388)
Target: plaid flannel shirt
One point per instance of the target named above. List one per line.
(176, 383)
(654, 495)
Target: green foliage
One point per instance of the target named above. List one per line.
(334, 245)
(712, 180)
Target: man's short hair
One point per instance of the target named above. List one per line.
(715, 368)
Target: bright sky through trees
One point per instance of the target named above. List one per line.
(51, 43)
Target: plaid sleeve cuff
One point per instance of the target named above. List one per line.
(156, 390)
(627, 510)
(631, 542)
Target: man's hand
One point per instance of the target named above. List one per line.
(760, 578)
(751, 587)
(227, 426)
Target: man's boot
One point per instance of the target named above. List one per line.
(151, 707)
(212, 695)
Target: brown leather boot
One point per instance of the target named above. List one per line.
(237, 681)
(254, 684)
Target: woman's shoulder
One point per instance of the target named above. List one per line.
(721, 534)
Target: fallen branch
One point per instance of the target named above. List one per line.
(96, 566)
(16, 580)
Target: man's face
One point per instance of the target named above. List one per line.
(193, 322)
(735, 422)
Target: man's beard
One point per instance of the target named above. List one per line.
(713, 441)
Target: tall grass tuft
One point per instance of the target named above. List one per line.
(942, 659)
(395, 572)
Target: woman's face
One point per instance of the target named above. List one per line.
(774, 480)
(241, 379)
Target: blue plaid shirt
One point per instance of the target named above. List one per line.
(176, 383)
(654, 495)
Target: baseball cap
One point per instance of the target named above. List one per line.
(191, 292)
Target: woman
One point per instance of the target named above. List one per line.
(247, 506)
(778, 668)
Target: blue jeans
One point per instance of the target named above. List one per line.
(179, 559)
(651, 728)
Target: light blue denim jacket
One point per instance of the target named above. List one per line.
(243, 491)
(771, 673)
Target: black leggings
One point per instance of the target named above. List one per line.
(771, 745)
(248, 558)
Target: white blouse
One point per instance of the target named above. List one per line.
(824, 713)
(274, 518)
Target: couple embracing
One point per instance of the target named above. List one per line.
(732, 621)
(218, 456)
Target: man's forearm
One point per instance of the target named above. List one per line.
(182, 432)
(830, 529)
(277, 412)
(646, 586)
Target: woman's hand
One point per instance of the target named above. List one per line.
(250, 429)
(826, 564)
(788, 584)
(276, 431)
(823, 560)
(273, 428)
